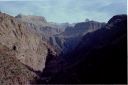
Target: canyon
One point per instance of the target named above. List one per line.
(35, 51)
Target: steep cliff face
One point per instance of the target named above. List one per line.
(68, 40)
(39, 20)
(13, 72)
(64, 36)
(103, 54)
(100, 57)
(39, 23)
(82, 28)
(30, 49)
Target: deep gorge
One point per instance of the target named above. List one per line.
(40, 52)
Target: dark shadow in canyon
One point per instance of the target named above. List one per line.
(100, 58)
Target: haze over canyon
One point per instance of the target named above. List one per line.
(89, 49)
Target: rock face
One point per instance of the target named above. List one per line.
(13, 72)
(39, 20)
(102, 54)
(64, 36)
(100, 57)
(68, 40)
(39, 23)
(30, 49)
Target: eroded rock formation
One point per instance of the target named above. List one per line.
(26, 44)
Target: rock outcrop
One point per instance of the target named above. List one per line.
(13, 72)
(68, 40)
(30, 49)
(39, 23)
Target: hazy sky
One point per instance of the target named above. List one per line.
(66, 10)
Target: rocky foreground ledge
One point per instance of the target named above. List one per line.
(20, 47)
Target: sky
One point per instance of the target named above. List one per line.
(61, 11)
